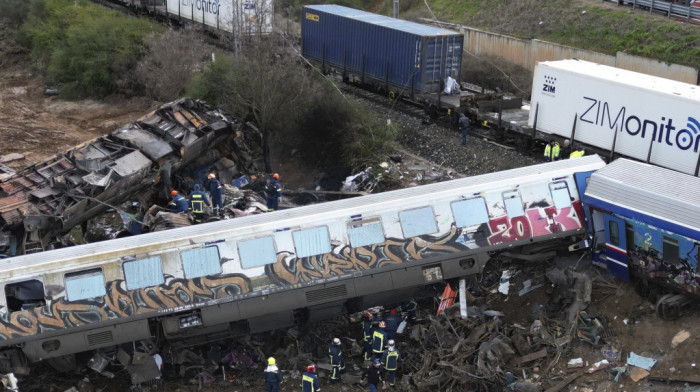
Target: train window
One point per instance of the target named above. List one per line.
(201, 262)
(671, 252)
(470, 212)
(418, 222)
(560, 194)
(143, 273)
(257, 252)
(514, 204)
(24, 295)
(312, 242)
(85, 284)
(614, 231)
(365, 232)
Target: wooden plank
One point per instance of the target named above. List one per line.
(529, 357)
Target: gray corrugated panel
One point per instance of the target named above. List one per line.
(410, 197)
(652, 189)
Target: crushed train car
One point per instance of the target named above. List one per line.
(47, 200)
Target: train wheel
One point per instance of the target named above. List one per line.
(670, 306)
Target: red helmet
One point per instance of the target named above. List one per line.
(311, 368)
(276, 176)
(393, 311)
(211, 175)
(382, 324)
(173, 192)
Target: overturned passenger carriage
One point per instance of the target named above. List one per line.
(261, 272)
(48, 199)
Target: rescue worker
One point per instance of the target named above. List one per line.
(273, 378)
(551, 151)
(392, 320)
(464, 127)
(372, 375)
(309, 380)
(410, 309)
(578, 153)
(379, 340)
(565, 149)
(215, 190)
(390, 362)
(197, 201)
(337, 362)
(179, 203)
(273, 191)
(367, 335)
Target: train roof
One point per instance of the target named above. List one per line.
(381, 20)
(668, 196)
(626, 77)
(312, 214)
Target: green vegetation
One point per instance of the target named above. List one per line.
(295, 107)
(599, 27)
(83, 50)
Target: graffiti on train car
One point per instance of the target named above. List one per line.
(678, 265)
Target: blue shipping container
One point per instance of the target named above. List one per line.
(402, 56)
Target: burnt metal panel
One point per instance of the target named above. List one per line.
(130, 164)
(149, 144)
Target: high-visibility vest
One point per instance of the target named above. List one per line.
(552, 152)
(197, 204)
(308, 384)
(378, 341)
(391, 360)
(577, 154)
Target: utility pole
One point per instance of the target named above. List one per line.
(396, 8)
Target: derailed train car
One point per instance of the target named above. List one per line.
(644, 222)
(46, 200)
(262, 272)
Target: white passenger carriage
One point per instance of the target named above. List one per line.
(264, 272)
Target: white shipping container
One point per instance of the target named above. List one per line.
(240, 17)
(648, 113)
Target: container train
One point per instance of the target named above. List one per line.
(261, 272)
(216, 280)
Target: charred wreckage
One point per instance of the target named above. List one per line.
(130, 167)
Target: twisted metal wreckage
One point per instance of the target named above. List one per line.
(43, 202)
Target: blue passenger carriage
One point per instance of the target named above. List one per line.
(645, 222)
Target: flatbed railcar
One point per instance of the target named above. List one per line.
(262, 272)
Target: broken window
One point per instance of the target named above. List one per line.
(365, 232)
(143, 273)
(24, 295)
(671, 253)
(312, 242)
(560, 194)
(85, 284)
(257, 252)
(514, 204)
(470, 212)
(418, 222)
(201, 262)
(614, 231)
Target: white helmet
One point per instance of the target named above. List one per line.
(336, 341)
(391, 342)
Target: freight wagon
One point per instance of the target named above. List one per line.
(648, 118)
(398, 57)
(239, 17)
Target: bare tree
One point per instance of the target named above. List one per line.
(171, 60)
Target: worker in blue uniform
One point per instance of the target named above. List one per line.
(390, 362)
(379, 340)
(367, 335)
(215, 191)
(337, 362)
(273, 378)
(273, 191)
(179, 203)
(372, 375)
(198, 200)
(309, 380)
(410, 308)
(392, 320)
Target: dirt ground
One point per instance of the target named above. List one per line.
(38, 126)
